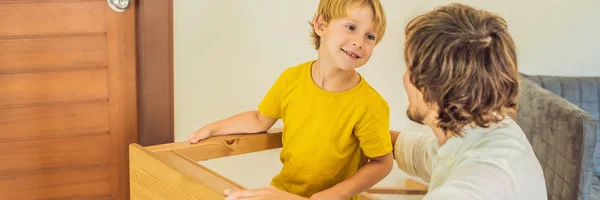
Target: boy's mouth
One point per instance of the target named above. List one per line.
(351, 54)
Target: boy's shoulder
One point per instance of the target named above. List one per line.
(298, 68)
(290, 74)
(372, 97)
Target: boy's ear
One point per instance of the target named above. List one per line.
(319, 25)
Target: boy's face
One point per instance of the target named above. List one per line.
(349, 40)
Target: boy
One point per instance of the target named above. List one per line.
(332, 117)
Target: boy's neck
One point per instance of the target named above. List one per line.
(331, 79)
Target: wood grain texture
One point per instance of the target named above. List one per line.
(68, 99)
(53, 87)
(410, 183)
(57, 153)
(155, 74)
(232, 147)
(197, 172)
(410, 187)
(222, 146)
(86, 182)
(182, 157)
(44, 1)
(43, 122)
(151, 177)
(67, 52)
(368, 196)
(121, 40)
(271, 137)
(21, 19)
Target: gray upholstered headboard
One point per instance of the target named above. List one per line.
(563, 136)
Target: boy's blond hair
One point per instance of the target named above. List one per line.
(331, 9)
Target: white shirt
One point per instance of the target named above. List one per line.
(486, 163)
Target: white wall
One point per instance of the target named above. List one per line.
(229, 52)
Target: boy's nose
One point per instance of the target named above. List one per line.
(358, 45)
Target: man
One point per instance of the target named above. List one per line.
(461, 81)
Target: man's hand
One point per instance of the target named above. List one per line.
(266, 193)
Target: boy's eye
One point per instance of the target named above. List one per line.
(351, 27)
(371, 37)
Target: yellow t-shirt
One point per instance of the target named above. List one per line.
(325, 134)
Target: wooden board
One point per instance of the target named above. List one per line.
(172, 170)
(25, 155)
(68, 99)
(152, 178)
(64, 183)
(52, 53)
(18, 19)
(53, 87)
(59, 121)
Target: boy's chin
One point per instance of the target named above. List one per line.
(350, 65)
(349, 68)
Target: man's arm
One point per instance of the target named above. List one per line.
(366, 177)
(414, 152)
(394, 135)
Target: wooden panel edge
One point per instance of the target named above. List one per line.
(410, 187)
(368, 196)
(270, 135)
(121, 52)
(153, 178)
(223, 146)
(155, 72)
(171, 75)
(197, 172)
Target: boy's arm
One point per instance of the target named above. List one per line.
(269, 111)
(245, 122)
(366, 177)
(373, 135)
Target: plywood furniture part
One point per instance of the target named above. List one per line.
(171, 171)
(68, 100)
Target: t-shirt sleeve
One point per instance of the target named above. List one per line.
(415, 152)
(270, 105)
(373, 131)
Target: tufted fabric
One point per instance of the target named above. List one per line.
(562, 133)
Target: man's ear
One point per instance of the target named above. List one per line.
(319, 25)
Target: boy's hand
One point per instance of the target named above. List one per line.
(266, 193)
(200, 134)
(329, 194)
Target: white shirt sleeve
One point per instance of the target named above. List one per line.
(475, 180)
(414, 153)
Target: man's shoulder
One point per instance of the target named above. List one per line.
(503, 143)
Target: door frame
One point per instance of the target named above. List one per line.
(154, 46)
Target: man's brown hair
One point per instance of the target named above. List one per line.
(464, 61)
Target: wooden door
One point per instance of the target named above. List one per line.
(67, 99)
